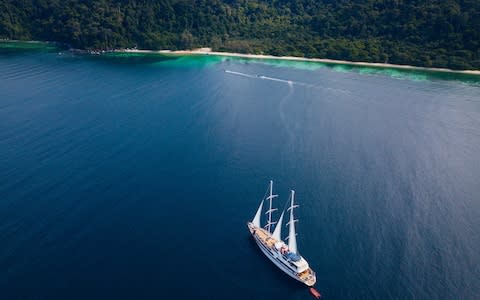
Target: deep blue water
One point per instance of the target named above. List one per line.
(135, 179)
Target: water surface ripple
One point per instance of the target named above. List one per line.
(135, 180)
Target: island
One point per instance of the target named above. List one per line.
(436, 33)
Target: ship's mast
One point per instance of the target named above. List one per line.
(270, 209)
(292, 235)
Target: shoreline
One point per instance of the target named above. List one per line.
(207, 51)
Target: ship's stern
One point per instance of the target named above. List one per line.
(308, 277)
(311, 281)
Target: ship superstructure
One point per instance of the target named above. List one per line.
(285, 256)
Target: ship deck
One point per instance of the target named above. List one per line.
(265, 237)
(307, 276)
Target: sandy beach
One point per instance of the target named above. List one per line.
(207, 51)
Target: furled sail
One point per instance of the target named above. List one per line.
(256, 219)
(292, 238)
(277, 233)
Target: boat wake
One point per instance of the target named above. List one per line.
(240, 74)
(289, 82)
(281, 105)
(283, 117)
(288, 123)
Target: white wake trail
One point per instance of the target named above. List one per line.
(264, 77)
(240, 74)
(279, 80)
(289, 82)
(283, 115)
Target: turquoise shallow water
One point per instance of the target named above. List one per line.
(124, 178)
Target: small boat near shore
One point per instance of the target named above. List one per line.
(286, 257)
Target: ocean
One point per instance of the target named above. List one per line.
(133, 177)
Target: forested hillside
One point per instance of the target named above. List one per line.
(439, 33)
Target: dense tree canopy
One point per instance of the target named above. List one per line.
(439, 33)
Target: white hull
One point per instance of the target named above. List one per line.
(282, 267)
(280, 262)
(286, 258)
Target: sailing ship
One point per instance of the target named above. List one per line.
(284, 256)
